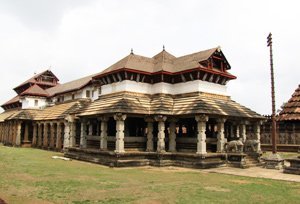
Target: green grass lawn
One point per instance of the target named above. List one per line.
(31, 176)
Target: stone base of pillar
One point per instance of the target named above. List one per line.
(274, 161)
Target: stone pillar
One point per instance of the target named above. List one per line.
(119, 117)
(72, 134)
(40, 135)
(83, 134)
(67, 135)
(257, 134)
(18, 134)
(243, 133)
(161, 133)
(237, 131)
(12, 133)
(90, 128)
(221, 135)
(51, 145)
(26, 133)
(201, 126)
(172, 135)
(58, 136)
(149, 134)
(103, 133)
(34, 134)
(45, 135)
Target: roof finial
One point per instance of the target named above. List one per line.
(163, 47)
(131, 52)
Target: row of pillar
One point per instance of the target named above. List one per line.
(10, 133)
(201, 135)
(62, 133)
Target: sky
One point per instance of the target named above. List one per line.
(76, 38)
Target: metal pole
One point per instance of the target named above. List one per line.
(274, 147)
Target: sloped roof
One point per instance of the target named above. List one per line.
(25, 114)
(33, 79)
(163, 61)
(13, 100)
(182, 104)
(61, 111)
(291, 110)
(34, 90)
(70, 86)
(7, 114)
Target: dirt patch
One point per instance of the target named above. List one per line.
(241, 181)
(217, 189)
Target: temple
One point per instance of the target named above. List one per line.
(160, 110)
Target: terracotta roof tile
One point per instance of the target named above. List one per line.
(34, 90)
(163, 61)
(13, 100)
(69, 86)
(291, 110)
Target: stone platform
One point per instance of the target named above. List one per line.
(130, 159)
(294, 167)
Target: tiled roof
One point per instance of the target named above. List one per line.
(163, 61)
(291, 110)
(35, 90)
(184, 104)
(13, 100)
(33, 79)
(60, 111)
(69, 86)
(7, 114)
(25, 114)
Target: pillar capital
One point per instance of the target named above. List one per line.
(149, 119)
(160, 118)
(103, 118)
(201, 118)
(259, 122)
(120, 116)
(70, 118)
(221, 120)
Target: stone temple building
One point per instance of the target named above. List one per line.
(160, 110)
(288, 126)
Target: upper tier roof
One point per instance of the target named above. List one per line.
(291, 110)
(163, 61)
(70, 86)
(33, 80)
(35, 90)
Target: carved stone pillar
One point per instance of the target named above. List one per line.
(39, 142)
(26, 133)
(72, 141)
(172, 136)
(237, 131)
(51, 145)
(45, 135)
(83, 133)
(243, 131)
(201, 125)
(161, 133)
(67, 135)
(221, 135)
(34, 134)
(103, 133)
(18, 134)
(149, 134)
(58, 136)
(120, 132)
(257, 134)
(90, 128)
